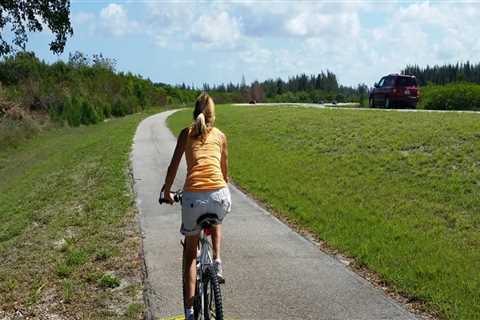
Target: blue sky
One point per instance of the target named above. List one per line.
(218, 41)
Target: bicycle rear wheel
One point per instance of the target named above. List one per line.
(213, 307)
(197, 308)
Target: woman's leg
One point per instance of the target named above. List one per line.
(190, 276)
(217, 241)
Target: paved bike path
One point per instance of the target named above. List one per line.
(271, 271)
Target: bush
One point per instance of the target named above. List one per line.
(82, 91)
(107, 109)
(88, 113)
(119, 108)
(14, 131)
(72, 111)
(108, 281)
(76, 258)
(454, 96)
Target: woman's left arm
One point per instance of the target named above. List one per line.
(224, 160)
(175, 162)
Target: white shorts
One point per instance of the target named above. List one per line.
(196, 204)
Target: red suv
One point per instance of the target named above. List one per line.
(395, 90)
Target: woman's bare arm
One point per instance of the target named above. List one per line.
(175, 162)
(224, 159)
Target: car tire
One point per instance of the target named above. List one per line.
(371, 103)
(388, 103)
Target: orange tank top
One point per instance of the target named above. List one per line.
(204, 171)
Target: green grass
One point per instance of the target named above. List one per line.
(397, 191)
(109, 281)
(66, 218)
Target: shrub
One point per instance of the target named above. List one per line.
(88, 113)
(107, 109)
(15, 124)
(72, 111)
(82, 91)
(63, 270)
(15, 131)
(119, 108)
(76, 258)
(454, 96)
(108, 281)
(68, 290)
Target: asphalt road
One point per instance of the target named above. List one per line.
(271, 271)
(348, 106)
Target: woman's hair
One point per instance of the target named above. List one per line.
(203, 115)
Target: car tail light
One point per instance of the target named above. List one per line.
(397, 92)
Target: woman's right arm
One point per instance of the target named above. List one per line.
(224, 159)
(175, 162)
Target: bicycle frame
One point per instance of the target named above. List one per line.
(204, 266)
(204, 261)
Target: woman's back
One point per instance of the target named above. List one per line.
(204, 161)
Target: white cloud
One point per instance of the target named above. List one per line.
(84, 21)
(169, 23)
(313, 24)
(255, 55)
(170, 16)
(359, 41)
(431, 33)
(83, 18)
(115, 19)
(217, 30)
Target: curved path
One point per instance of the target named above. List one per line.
(271, 271)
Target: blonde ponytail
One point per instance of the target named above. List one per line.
(204, 116)
(200, 127)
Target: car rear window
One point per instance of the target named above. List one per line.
(389, 81)
(406, 82)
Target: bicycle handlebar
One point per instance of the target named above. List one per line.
(177, 196)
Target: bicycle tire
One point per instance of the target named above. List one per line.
(196, 299)
(212, 296)
(183, 275)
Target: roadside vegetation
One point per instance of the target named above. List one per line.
(452, 96)
(445, 74)
(35, 95)
(449, 86)
(315, 88)
(69, 239)
(398, 192)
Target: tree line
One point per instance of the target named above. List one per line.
(314, 88)
(444, 74)
(83, 90)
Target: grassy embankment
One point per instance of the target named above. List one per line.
(397, 191)
(69, 244)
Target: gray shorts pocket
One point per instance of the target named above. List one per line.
(222, 199)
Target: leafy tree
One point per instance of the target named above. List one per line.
(78, 59)
(99, 61)
(23, 16)
(445, 74)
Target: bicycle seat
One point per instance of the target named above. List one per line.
(207, 220)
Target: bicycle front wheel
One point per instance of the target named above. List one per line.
(213, 308)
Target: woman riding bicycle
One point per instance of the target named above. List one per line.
(205, 189)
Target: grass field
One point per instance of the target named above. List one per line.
(69, 244)
(399, 192)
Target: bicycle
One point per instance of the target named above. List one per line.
(207, 302)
